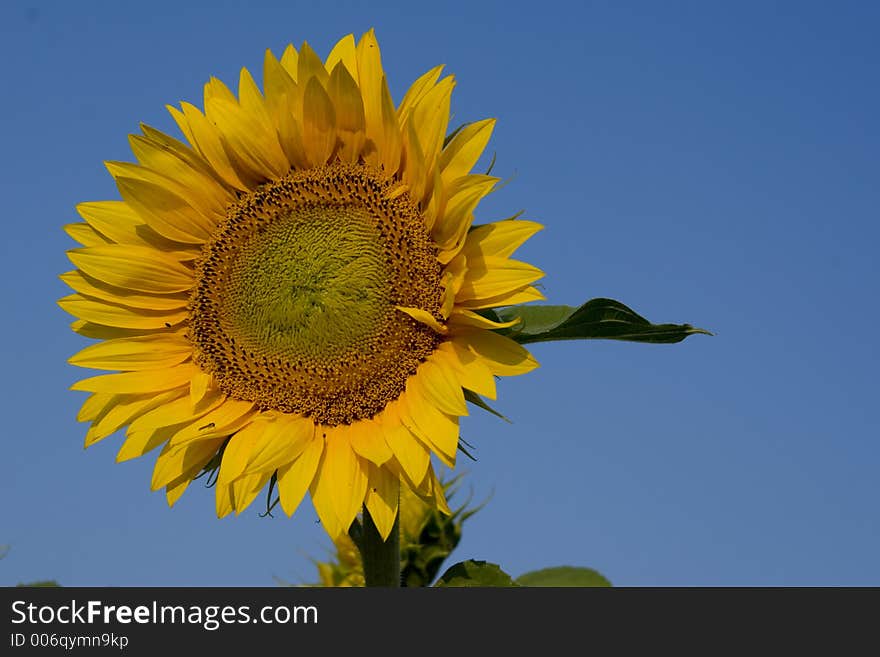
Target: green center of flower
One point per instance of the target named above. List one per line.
(296, 295)
(312, 285)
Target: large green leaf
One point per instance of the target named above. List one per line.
(475, 573)
(563, 576)
(596, 319)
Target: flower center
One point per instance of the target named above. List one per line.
(294, 305)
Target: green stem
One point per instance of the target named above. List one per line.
(381, 558)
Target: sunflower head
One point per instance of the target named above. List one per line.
(293, 292)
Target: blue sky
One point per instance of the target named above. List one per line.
(711, 163)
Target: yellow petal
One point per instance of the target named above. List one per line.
(440, 387)
(451, 282)
(290, 61)
(424, 317)
(383, 495)
(517, 296)
(415, 171)
(199, 388)
(438, 493)
(187, 184)
(124, 411)
(238, 450)
(139, 382)
(252, 147)
(224, 420)
(462, 152)
(180, 164)
(138, 268)
(120, 224)
(149, 352)
(85, 234)
(368, 441)
(175, 490)
(103, 332)
(93, 405)
(341, 476)
(412, 455)
(114, 219)
(188, 155)
(405, 480)
(281, 442)
(389, 156)
(215, 89)
(319, 123)
(349, 107)
(178, 412)
(113, 315)
(310, 66)
(462, 317)
(502, 355)
(430, 491)
(344, 52)
(322, 500)
(112, 401)
(138, 443)
(92, 287)
(165, 212)
(175, 462)
(223, 500)
(296, 478)
(284, 101)
(278, 84)
(244, 490)
(489, 277)
(432, 426)
(430, 118)
(205, 136)
(252, 101)
(471, 371)
(183, 124)
(370, 76)
(416, 92)
(265, 115)
(290, 132)
(436, 201)
(451, 228)
(499, 239)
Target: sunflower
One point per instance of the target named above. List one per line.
(294, 295)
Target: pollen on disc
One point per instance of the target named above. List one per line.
(295, 302)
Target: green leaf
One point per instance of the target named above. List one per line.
(475, 573)
(563, 576)
(596, 319)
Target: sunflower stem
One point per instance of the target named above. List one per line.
(381, 558)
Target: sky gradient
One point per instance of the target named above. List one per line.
(709, 163)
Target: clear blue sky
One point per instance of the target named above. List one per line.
(712, 163)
